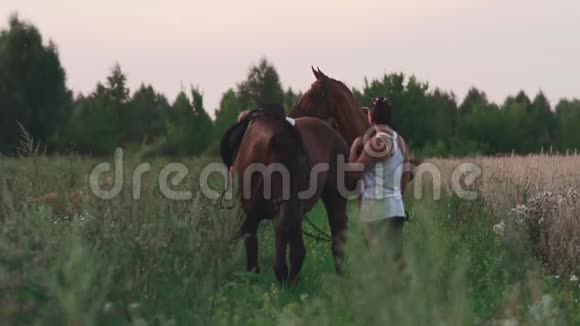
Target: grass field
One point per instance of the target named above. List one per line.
(69, 258)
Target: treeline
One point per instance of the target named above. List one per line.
(435, 124)
(33, 94)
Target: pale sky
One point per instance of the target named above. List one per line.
(498, 46)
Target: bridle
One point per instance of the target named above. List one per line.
(332, 122)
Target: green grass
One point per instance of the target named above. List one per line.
(162, 262)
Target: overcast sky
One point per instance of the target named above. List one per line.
(498, 46)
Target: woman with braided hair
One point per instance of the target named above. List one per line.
(382, 155)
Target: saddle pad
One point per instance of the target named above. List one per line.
(233, 137)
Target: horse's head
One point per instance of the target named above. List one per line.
(318, 101)
(329, 99)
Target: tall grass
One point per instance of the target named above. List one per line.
(73, 259)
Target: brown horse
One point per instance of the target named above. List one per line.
(331, 100)
(268, 146)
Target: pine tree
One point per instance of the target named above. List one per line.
(32, 86)
(261, 86)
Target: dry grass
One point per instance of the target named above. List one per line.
(537, 195)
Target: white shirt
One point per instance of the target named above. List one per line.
(381, 197)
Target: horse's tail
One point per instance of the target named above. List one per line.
(291, 152)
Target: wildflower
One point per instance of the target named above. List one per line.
(572, 195)
(509, 322)
(303, 297)
(544, 309)
(499, 228)
(134, 306)
(108, 307)
(573, 278)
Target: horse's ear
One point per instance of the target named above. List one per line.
(321, 74)
(316, 73)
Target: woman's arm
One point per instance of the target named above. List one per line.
(375, 149)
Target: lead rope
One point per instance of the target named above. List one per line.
(320, 236)
(223, 193)
(223, 206)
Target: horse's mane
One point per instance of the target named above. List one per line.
(343, 85)
(347, 90)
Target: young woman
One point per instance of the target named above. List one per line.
(382, 158)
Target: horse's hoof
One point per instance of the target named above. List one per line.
(281, 274)
(253, 270)
(282, 279)
(293, 281)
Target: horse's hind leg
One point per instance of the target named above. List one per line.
(250, 230)
(280, 265)
(335, 206)
(289, 233)
(297, 252)
(293, 238)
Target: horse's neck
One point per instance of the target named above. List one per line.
(349, 117)
(352, 124)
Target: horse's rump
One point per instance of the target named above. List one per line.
(269, 140)
(232, 138)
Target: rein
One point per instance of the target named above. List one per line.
(320, 234)
(222, 204)
(331, 121)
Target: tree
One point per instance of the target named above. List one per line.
(189, 127)
(568, 122)
(202, 124)
(442, 115)
(543, 122)
(414, 104)
(225, 117)
(481, 128)
(518, 135)
(179, 124)
(412, 113)
(391, 86)
(261, 86)
(473, 98)
(116, 97)
(32, 86)
(290, 99)
(148, 112)
(520, 98)
(94, 125)
(117, 90)
(105, 119)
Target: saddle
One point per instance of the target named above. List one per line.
(232, 139)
